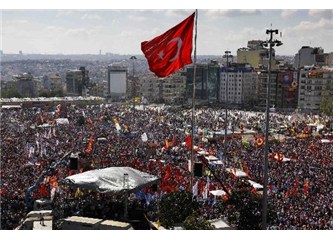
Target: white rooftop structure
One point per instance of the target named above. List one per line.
(112, 180)
(239, 173)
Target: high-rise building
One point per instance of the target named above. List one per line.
(206, 84)
(117, 81)
(288, 83)
(275, 90)
(284, 89)
(77, 82)
(74, 82)
(242, 81)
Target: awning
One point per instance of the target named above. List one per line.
(211, 158)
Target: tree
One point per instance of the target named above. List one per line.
(195, 222)
(326, 103)
(10, 93)
(175, 207)
(244, 209)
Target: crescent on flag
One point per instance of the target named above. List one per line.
(179, 45)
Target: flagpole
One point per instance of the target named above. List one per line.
(193, 98)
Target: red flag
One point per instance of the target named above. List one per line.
(188, 141)
(170, 51)
(306, 186)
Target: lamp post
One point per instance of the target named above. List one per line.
(133, 58)
(227, 55)
(271, 43)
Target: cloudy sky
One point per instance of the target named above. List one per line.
(121, 31)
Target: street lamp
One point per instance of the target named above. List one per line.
(133, 92)
(227, 55)
(269, 43)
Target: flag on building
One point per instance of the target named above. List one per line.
(172, 50)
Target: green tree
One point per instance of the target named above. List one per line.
(44, 93)
(175, 207)
(195, 222)
(10, 93)
(244, 209)
(326, 103)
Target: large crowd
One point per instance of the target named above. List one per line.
(300, 189)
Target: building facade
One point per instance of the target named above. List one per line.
(151, 88)
(173, 88)
(133, 87)
(117, 81)
(74, 82)
(275, 89)
(313, 86)
(255, 55)
(99, 89)
(207, 83)
(26, 85)
(288, 82)
(242, 81)
(308, 56)
(53, 83)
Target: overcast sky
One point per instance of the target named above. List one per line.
(122, 31)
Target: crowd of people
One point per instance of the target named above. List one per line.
(155, 140)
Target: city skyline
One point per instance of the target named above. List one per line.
(122, 31)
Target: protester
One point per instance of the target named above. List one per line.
(300, 189)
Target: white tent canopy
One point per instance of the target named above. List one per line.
(239, 173)
(113, 179)
(218, 192)
(257, 186)
(211, 158)
(62, 121)
(202, 152)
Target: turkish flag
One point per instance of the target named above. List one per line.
(172, 50)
